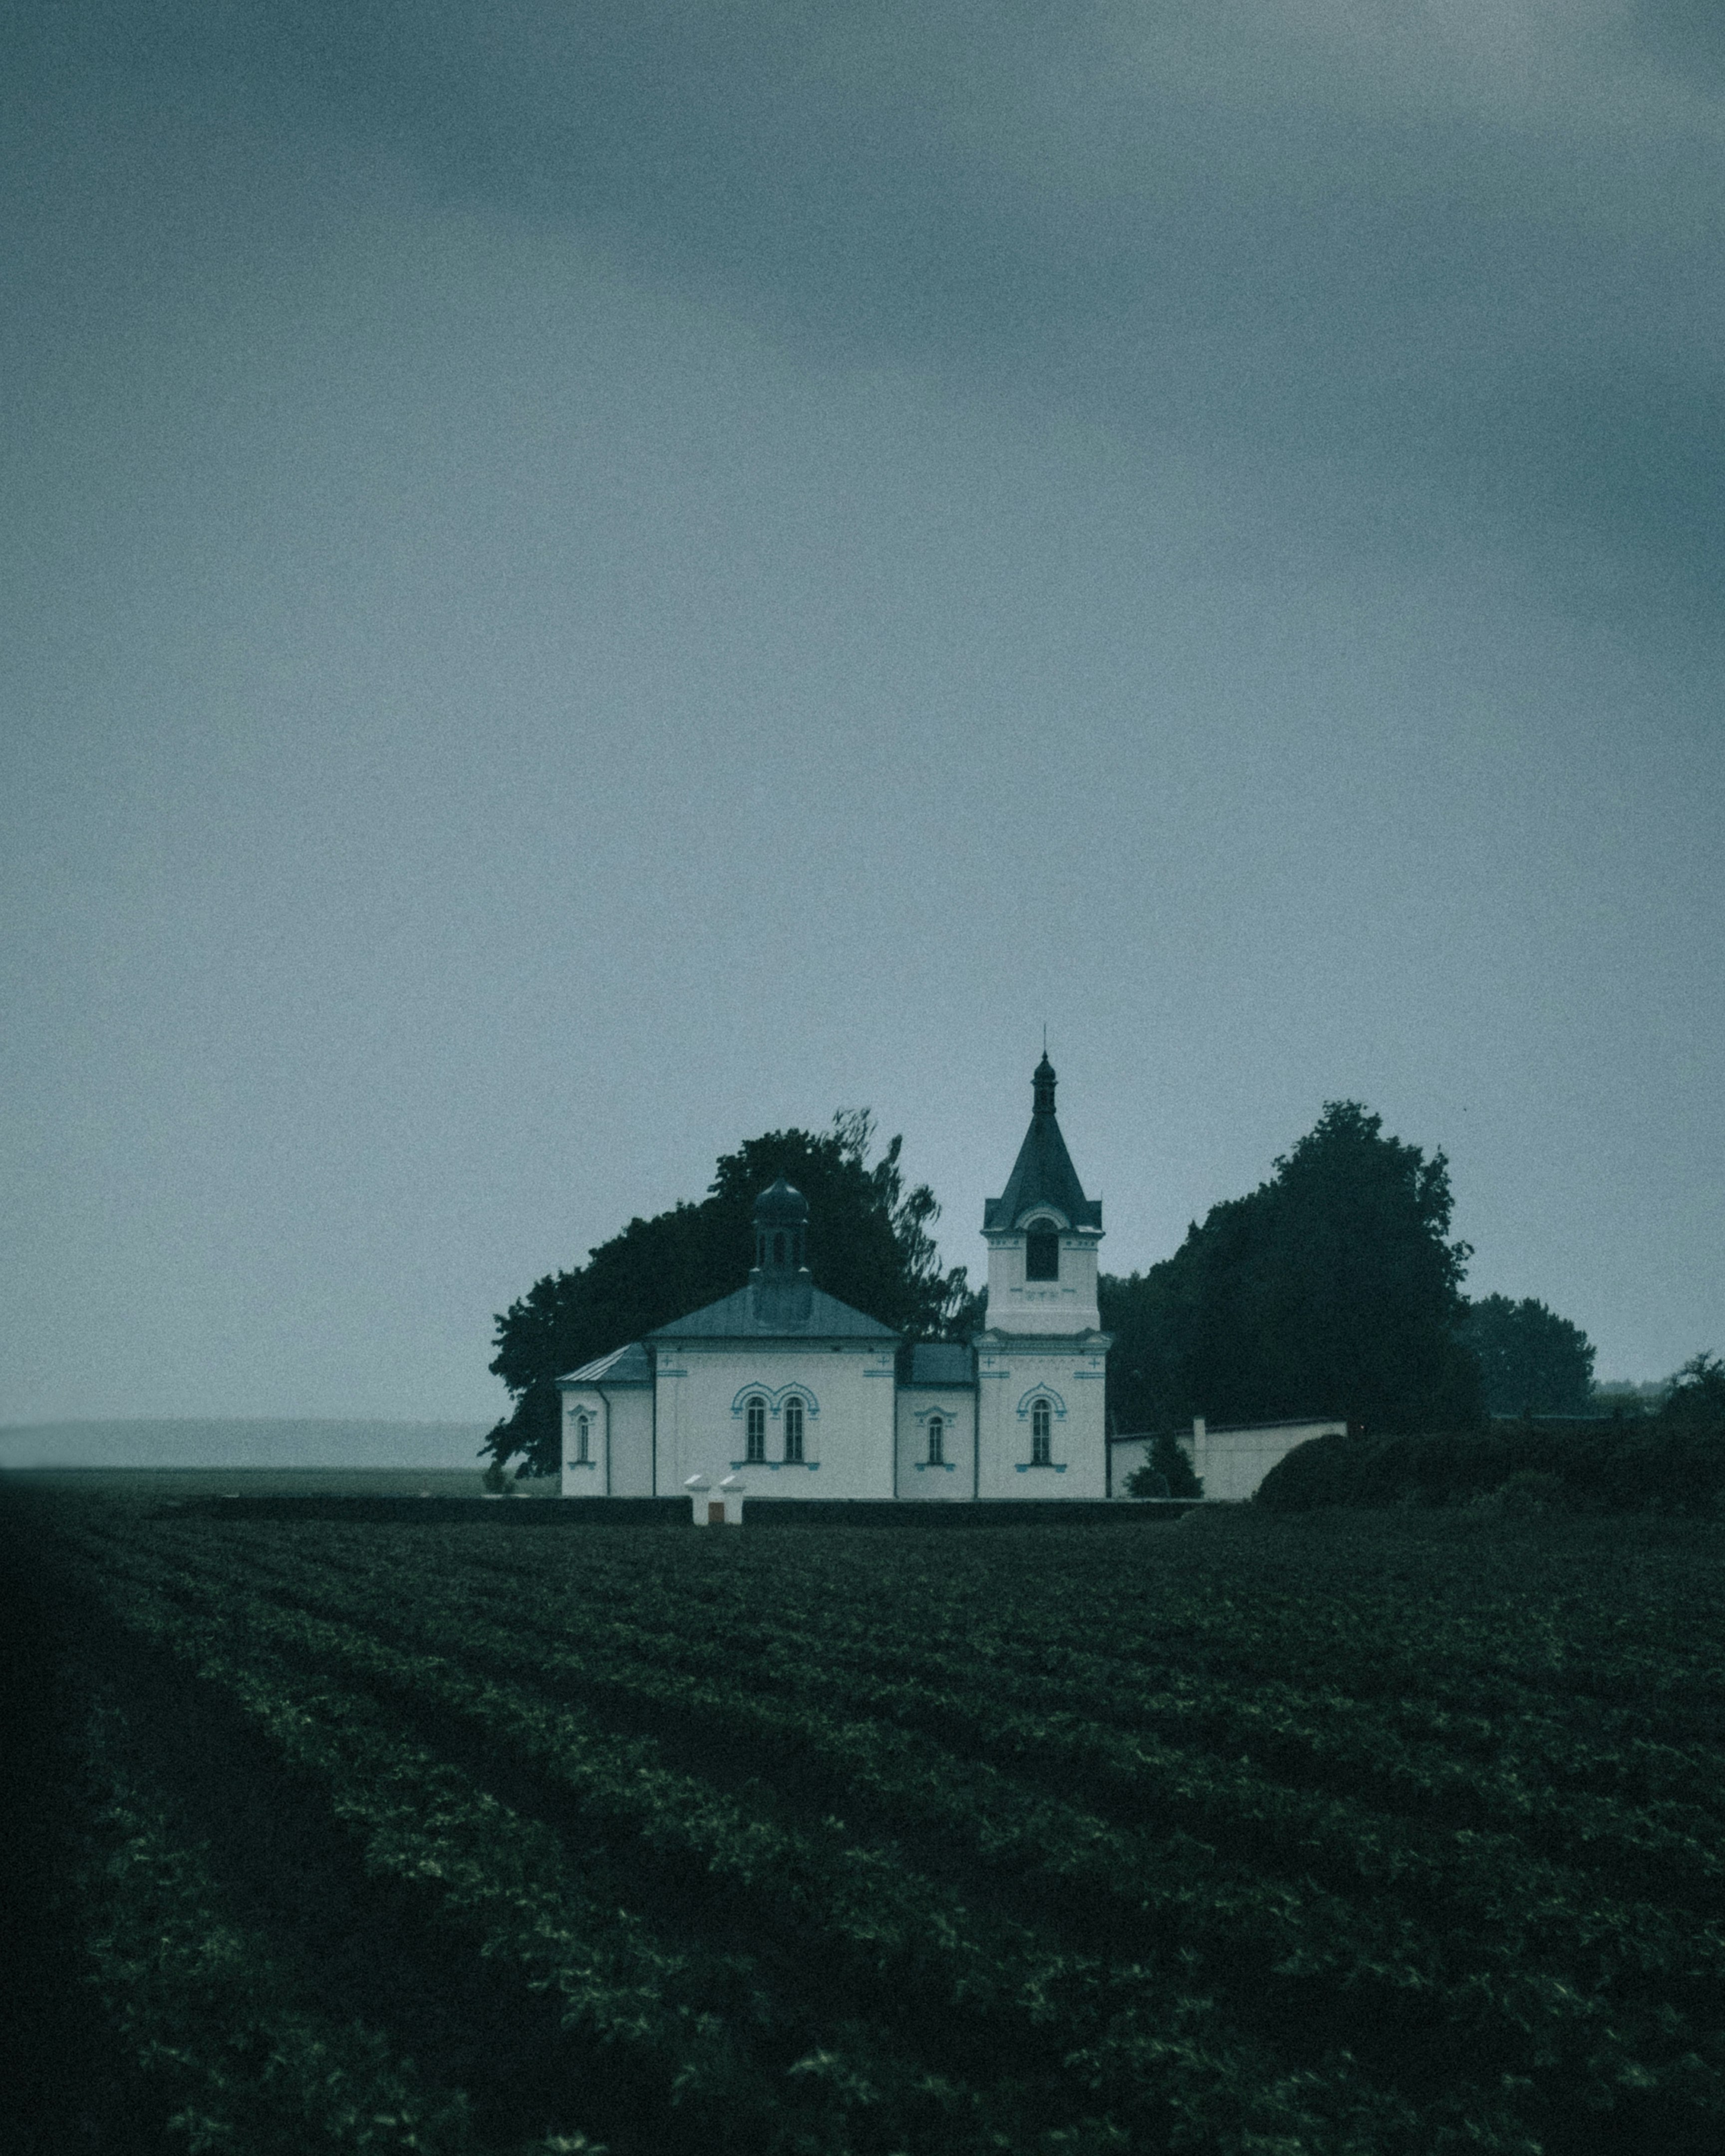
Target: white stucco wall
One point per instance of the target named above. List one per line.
(1233, 1462)
(956, 1406)
(587, 1481)
(631, 1440)
(1011, 1373)
(848, 1427)
(1230, 1462)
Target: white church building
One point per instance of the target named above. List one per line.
(780, 1390)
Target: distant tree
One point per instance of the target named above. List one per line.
(870, 1244)
(1532, 1362)
(1697, 1398)
(1331, 1289)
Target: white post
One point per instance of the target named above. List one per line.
(733, 1490)
(697, 1486)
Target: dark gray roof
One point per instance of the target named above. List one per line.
(781, 1204)
(940, 1362)
(794, 1312)
(624, 1366)
(1043, 1175)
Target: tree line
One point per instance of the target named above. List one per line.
(1334, 1289)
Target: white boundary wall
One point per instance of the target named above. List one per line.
(1231, 1459)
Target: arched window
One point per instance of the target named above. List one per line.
(1042, 1253)
(778, 1248)
(936, 1442)
(755, 1425)
(794, 1429)
(1041, 1435)
(583, 1440)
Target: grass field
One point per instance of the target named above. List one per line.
(1281, 1836)
(160, 1484)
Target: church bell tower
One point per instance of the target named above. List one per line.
(1042, 1361)
(1042, 1232)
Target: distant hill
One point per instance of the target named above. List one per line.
(217, 1442)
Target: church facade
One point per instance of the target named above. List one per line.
(782, 1391)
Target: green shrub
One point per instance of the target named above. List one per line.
(1167, 1473)
(1529, 1492)
(1650, 1465)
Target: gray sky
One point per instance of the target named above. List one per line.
(578, 582)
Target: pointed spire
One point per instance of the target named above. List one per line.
(1043, 1173)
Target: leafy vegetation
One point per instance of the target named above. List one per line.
(1167, 1473)
(1673, 1461)
(1330, 1835)
(1333, 1289)
(1532, 1362)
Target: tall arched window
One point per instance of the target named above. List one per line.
(583, 1440)
(1042, 1253)
(1041, 1435)
(936, 1442)
(794, 1429)
(755, 1424)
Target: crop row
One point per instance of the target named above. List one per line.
(1495, 1882)
(1082, 1724)
(1357, 1969)
(252, 2066)
(1451, 1699)
(1529, 1773)
(693, 2022)
(1156, 2053)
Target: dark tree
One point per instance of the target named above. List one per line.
(1332, 1289)
(1146, 1386)
(1532, 1362)
(1697, 1398)
(869, 1244)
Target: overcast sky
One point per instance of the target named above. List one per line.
(581, 582)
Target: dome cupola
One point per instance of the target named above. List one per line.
(781, 1230)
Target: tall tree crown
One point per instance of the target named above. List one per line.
(1332, 1289)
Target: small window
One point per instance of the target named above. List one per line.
(755, 1425)
(778, 1250)
(1042, 1253)
(936, 1442)
(583, 1440)
(794, 1429)
(1041, 1435)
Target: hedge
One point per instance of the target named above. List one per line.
(1612, 1468)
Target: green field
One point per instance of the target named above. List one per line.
(162, 1484)
(1388, 1833)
